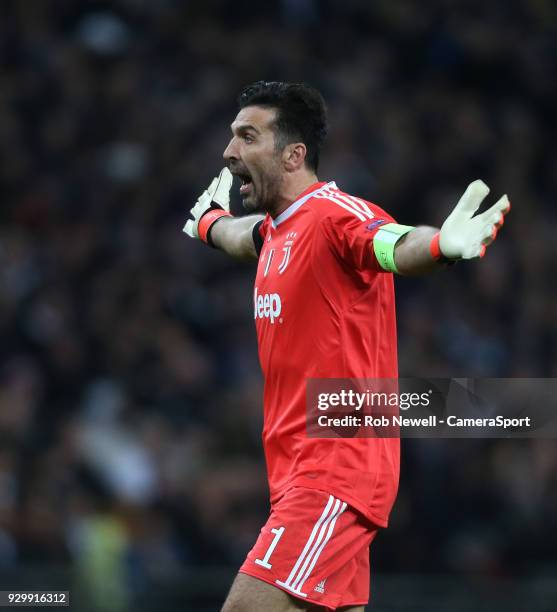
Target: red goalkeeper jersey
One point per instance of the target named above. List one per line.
(324, 308)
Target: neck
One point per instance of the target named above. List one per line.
(292, 187)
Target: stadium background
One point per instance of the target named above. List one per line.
(130, 460)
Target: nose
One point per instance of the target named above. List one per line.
(231, 151)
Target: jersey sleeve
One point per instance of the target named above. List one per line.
(259, 233)
(351, 239)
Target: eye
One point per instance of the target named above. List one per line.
(249, 139)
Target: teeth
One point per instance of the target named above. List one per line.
(244, 179)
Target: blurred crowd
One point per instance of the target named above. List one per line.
(130, 392)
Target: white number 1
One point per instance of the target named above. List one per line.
(265, 561)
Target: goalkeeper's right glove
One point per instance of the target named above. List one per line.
(212, 204)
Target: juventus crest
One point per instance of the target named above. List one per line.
(286, 254)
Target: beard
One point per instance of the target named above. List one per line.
(251, 204)
(264, 197)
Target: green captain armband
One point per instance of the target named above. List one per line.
(384, 243)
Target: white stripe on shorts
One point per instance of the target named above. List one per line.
(314, 546)
(320, 549)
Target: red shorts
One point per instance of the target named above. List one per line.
(316, 548)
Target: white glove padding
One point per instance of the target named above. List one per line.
(217, 193)
(464, 236)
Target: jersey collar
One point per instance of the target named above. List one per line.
(301, 199)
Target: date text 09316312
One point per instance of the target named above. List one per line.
(34, 598)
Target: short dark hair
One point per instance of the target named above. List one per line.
(301, 114)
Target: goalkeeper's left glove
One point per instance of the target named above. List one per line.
(464, 236)
(212, 204)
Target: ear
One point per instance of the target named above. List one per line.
(293, 156)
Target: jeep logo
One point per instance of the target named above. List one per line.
(266, 306)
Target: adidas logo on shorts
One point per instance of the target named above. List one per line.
(320, 588)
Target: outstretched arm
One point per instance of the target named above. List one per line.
(412, 254)
(213, 223)
(234, 235)
(462, 235)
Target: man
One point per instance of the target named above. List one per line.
(324, 308)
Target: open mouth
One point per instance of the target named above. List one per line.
(246, 182)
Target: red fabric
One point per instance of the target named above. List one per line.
(324, 308)
(207, 221)
(321, 551)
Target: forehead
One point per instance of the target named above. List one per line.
(256, 116)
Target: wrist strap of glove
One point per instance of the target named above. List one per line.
(207, 221)
(435, 250)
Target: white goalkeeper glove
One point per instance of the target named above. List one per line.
(212, 204)
(464, 236)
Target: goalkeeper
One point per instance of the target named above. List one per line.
(324, 308)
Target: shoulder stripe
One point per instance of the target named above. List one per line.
(347, 207)
(357, 203)
(364, 205)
